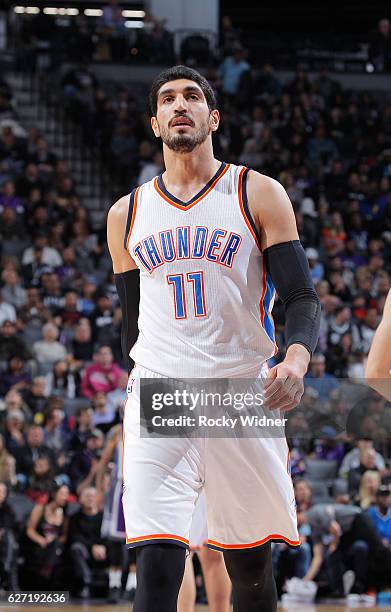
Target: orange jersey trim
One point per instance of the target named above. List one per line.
(157, 536)
(135, 201)
(201, 197)
(273, 536)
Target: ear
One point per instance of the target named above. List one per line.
(214, 120)
(155, 127)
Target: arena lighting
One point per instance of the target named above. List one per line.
(133, 14)
(134, 24)
(19, 10)
(32, 10)
(49, 10)
(93, 12)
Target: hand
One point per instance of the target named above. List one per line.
(284, 387)
(50, 538)
(98, 552)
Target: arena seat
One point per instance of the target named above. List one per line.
(321, 470)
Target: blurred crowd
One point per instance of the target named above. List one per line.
(62, 376)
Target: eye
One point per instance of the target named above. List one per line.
(194, 97)
(167, 99)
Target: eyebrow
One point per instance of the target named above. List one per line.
(188, 89)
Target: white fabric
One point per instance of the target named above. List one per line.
(229, 340)
(249, 492)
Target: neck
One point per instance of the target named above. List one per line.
(187, 168)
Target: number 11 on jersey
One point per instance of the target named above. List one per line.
(196, 279)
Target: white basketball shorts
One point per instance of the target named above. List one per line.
(248, 487)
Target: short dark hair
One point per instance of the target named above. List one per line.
(181, 72)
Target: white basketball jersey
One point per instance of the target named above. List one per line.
(205, 295)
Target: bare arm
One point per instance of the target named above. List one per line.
(316, 562)
(32, 524)
(116, 224)
(106, 457)
(377, 371)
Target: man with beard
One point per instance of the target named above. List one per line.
(212, 241)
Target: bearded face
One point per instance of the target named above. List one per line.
(184, 137)
(183, 119)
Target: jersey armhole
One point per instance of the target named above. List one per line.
(131, 216)
(243, 201)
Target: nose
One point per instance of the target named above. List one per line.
(180, 104)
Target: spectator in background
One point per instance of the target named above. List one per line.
(380, 48)
(352, 459)
(7, 465)
(56, 435)
(12, 345)
(14, 431)
(62, 380)
(151, 169)
(84, 426)
(34, 448)
(380, 514)
(327, 446)
(8, 543)
(29, 181)
(35, 396)
(48, 350)
(316, 268)
(82, 346)
(13, 291)
(369, 485)
(88, 549)
(115, 399)
(9, 199)
(367, 462)
(232, 69)
(48, 256)
(318, 379)
(40, 481)
(14, 401)
(84, 463)
(17, 376)
(46, 532)
(104, 413)
(7, 311)
(295, 562)
(102, 376)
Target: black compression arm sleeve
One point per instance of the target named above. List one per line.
(288, 267)
(128, 289)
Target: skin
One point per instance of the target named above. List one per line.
(187, 171)
(217, 583)
(377, 371)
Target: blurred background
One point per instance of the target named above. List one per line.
(305, 97)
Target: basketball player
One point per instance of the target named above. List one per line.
(377, 371)
(212, 241)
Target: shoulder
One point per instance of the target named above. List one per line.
(258, 183)
(119, 210)
(268, 200)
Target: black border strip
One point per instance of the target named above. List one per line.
(129, 217)
(245, 204)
